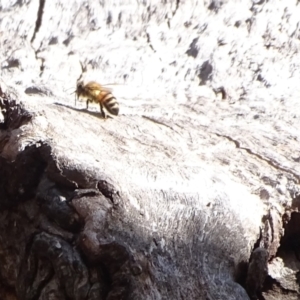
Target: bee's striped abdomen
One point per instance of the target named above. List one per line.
(111, 104)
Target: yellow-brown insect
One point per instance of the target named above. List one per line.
(95, 92)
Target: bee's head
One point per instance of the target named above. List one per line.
(79, 88)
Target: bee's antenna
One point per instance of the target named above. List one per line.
(76, 96)
(68, 89)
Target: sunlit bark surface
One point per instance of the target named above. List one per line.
(192, 192)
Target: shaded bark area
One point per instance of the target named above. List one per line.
(43, 253)
(14, 114)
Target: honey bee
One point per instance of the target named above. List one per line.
(94, 92)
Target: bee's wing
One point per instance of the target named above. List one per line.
(94, 86)
(106, 84)
(106, 89)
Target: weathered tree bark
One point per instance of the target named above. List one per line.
(192, 192)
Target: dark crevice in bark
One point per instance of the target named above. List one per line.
(108, 191)
(248, 273)
(176, 8)
(54, 203)
(149, 42)
(38, 22)
(289, 249)
(291, 237)
(20, 178)
(267, 233)
(158, 122)
(215, 5)
(42, 66)
(240, 274)
(193, 48)
(15, 115)
(205, 73)
(222, 91)
(260, 157)
(257, 273)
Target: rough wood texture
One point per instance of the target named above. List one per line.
(170, 199)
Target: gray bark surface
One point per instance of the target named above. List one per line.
(192, 192)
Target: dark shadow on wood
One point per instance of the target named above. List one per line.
(82, 110)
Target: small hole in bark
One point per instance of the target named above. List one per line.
(291, 239)
(109, 18)
(241, 273)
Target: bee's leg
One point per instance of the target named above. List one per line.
(102, 111)
(87, 103)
